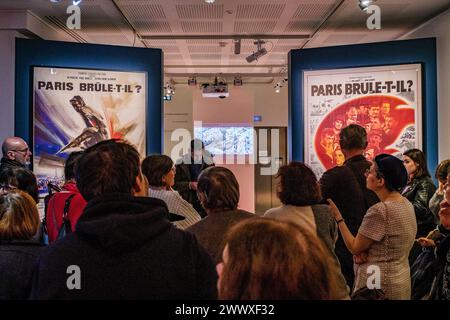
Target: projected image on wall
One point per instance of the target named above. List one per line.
(226, 140)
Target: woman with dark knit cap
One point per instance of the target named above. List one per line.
(387, 232)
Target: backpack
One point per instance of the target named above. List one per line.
(66, 226)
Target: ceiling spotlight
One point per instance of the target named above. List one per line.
(210, 1)
(237, 81)
(237, 46)
(259, 52)
(192, 81)
(364, 4)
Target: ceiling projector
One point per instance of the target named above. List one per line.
(215, 91)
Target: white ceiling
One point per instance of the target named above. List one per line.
(196, 36)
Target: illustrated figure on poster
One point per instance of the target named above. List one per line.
(338, 157)
(385, 110)
(338, 124)
(351, 116)
(95, 130)
(386, 119)
(371, 152)
(327, 142)
(375, 138)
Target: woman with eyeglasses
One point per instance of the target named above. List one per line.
(160, 173)
(386, 235)
(19, 221)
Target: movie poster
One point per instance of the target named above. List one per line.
(76, 108)
(385, 100)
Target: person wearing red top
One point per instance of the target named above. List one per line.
(57, 202)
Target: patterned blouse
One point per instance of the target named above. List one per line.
(392, 225)
(176, 204)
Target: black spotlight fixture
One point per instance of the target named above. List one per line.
(259, 52)
(237, 46)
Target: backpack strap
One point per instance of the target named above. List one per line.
(67, 205)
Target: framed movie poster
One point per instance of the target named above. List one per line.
(385, 100)
(74, 109)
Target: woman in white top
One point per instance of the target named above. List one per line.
(160, 173)
(386, 234)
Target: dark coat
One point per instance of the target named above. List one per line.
(8, 163)
(346, 186)
(211, 230)
(126, 248)
(183, 178)
(419, 192)
(17, 263)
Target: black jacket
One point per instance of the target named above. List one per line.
(183, 178)
(419, 192)
(346, 186)
(126, 248)
(8, 163)
(17, 262)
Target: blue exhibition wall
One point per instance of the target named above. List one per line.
(365, 55)
(41, 53)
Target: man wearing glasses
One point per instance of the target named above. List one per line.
(16, 153)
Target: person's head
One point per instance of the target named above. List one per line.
(22, 179)
(415, 163)
(327, 137)
(374, 111)
(338, 157)
(442, 171)
(353, 137)
(15, 148)
(388, 122)
(297, 185)
(110, 166)
(77, 103)
(218, 189)
(385, 108)
(371, 152)
(338, 122)
(362, 109)
(375, 137)
(447, 189)
(197, 149)
(19, 217)
(69, 167)
(352, 116)
(386, 172)
(267, 259)
(159, 171)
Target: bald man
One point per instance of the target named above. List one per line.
(16, 153)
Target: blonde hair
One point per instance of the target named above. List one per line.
(19, 217)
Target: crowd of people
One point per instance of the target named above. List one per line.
(123, 227)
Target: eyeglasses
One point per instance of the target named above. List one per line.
(23, 150)
(6, 187)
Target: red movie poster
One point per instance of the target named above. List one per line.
(383, 100)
